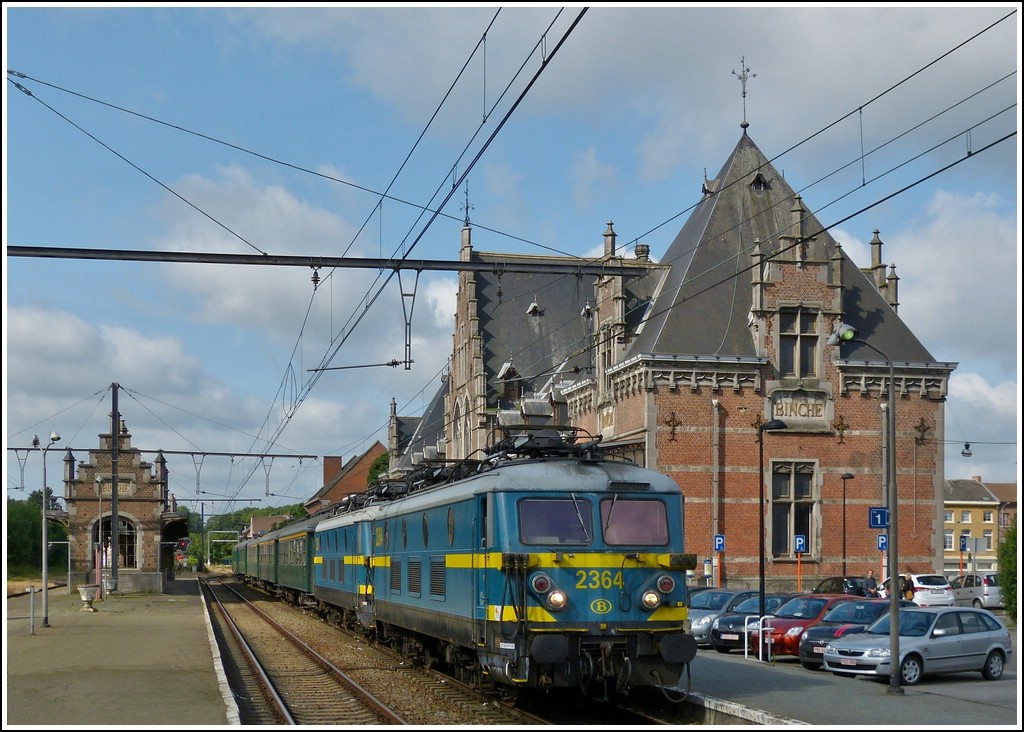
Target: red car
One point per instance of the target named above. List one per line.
(796, 616)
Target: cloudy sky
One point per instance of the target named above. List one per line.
(362, 131)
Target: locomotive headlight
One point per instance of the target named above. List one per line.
(666, 584)
(540, 583)
(557, 600)
(650, 600)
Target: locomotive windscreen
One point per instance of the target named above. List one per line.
(629, 521)
(555, 521)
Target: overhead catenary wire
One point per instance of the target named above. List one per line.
(858, 108)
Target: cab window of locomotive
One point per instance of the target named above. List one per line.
(555, 521)
(628, 521)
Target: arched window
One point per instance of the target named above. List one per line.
(127, 543)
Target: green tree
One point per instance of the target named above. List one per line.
(379, 465)
(1008, 569)
(23, 533)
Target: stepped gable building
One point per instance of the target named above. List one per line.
(148, 524)
(679, 366)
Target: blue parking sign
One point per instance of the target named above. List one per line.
(719, 542)
(963, 543)
(883, 542)
(800, 544)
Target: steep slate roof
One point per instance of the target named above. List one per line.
(558, 335)
(702, 307)
(427, 430)
(968, 491)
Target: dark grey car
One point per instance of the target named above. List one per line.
(841, 586)
(708, 605)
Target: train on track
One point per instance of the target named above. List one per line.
(549, 564)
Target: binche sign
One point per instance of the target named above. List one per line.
(800, 407)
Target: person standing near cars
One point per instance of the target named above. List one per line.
(907, 586)
(870, 585)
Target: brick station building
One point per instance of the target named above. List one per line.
(680, 365)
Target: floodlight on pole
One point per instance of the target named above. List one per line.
(845, 334)
(54, 437)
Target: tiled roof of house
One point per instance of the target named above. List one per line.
(968, 491)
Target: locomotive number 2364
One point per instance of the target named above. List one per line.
(595, 580)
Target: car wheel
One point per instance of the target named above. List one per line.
(993, 668)
(810, 665)
(722, 649)
(978, 603)
(911, 670)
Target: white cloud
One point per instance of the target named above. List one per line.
(959, 265)
(587, 174)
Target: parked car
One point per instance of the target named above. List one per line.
(707, 606)
(692, 590)
(793, 618)
(841, 586)
(979, 590)
(932, 640)
(843, 619)
(731, 631)
(930, 590)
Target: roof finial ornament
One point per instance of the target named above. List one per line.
(743, 76)
(465, 207)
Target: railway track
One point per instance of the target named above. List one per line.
(417, 695)
(283, 680)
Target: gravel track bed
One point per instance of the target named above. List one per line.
(415, 695)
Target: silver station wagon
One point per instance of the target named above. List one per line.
(932, 641)
(977, 589)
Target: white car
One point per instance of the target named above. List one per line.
(930, 590)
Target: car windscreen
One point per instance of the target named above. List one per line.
(801, 607)
(752, 605)
(911, 624)
(861, 613)
(710, 600)
(930, 580)
(992, 580)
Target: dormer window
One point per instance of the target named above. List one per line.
(510, 384)
(760, 183)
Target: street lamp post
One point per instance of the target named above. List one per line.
(845, 334)
(772, 424)
(54, 437)
(846, 477)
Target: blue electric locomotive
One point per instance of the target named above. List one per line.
(548, 565)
